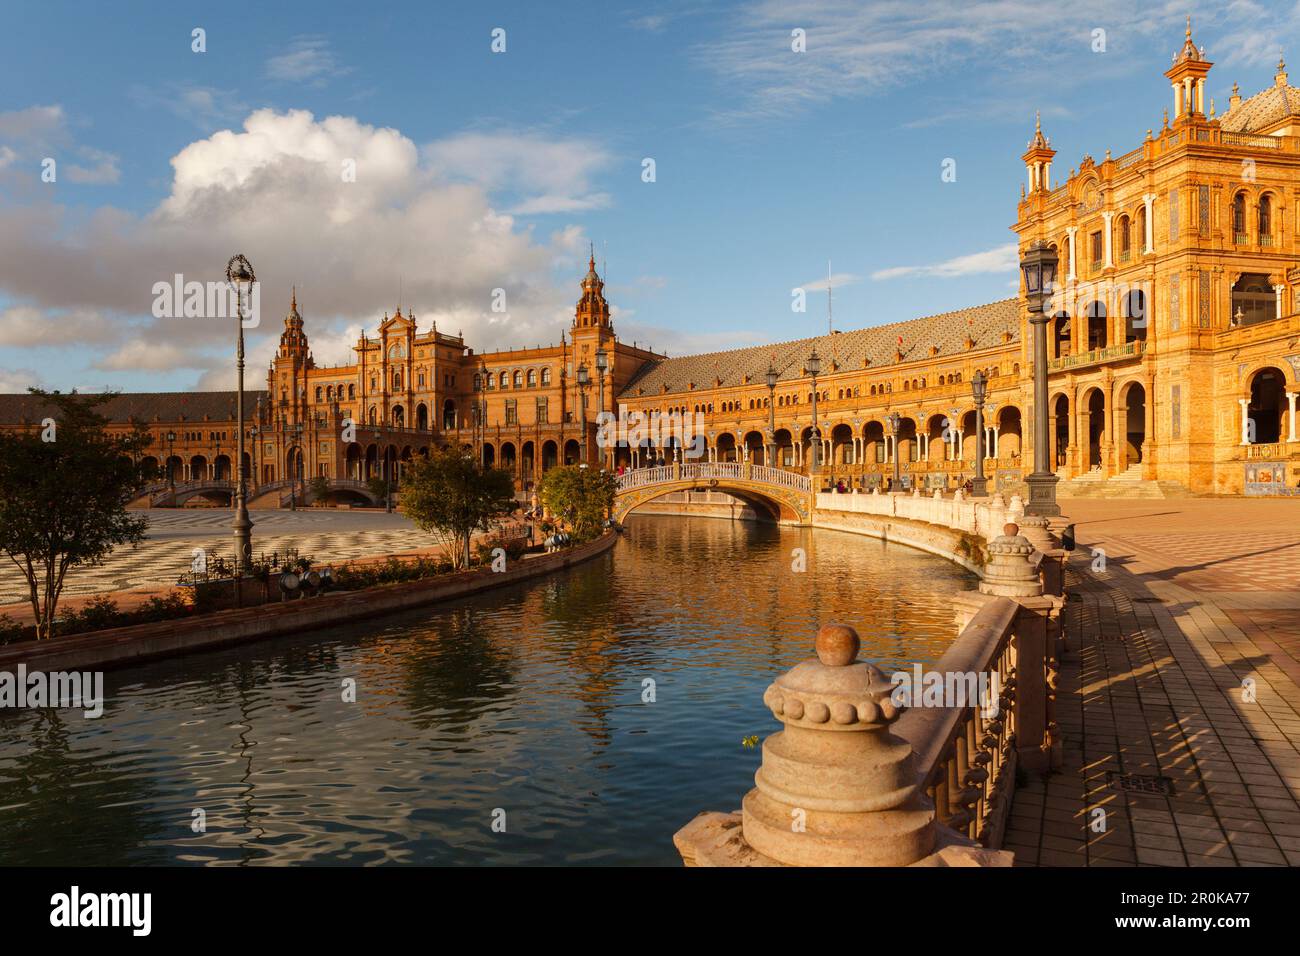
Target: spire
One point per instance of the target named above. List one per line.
(1280, 77)
(293, 305)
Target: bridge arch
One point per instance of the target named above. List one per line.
(785, 496)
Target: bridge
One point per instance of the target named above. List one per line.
(785, 495)
(279, 493)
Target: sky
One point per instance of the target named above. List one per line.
(717, 155)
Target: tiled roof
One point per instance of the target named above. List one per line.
(144, 407)
(1262, 110)
(839, 352)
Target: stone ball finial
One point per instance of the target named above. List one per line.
(1011, 529)
(837, 645)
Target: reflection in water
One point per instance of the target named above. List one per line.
(527, 699)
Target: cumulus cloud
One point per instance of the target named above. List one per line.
(548, 176)
(147, 355)
(36, 132)
(347, 211)
(18, 380)
(1000, 259)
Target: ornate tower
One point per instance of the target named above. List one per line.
(1187, 76)
(1038, 159)
(287, 381)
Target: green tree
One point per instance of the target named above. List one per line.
(582, 497)
(452, 495)
(64, 488)
(319, 488)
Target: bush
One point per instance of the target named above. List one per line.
(10, 630)
(95, 615)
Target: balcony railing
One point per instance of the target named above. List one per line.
(1110, 353)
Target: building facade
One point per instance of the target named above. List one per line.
(1174, 343)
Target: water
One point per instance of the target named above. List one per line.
(527, 700)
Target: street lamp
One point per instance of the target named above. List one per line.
(171, 468)
(584, 380)
(895, 426)
(814, 367)
(772, 376)
(383, 473)
(1039, 266)
(239, 273)
(602, 363)
(979, 486)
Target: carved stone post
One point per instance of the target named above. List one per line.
(836, 787)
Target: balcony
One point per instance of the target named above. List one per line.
(1110, 353)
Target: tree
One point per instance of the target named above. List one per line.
(582, 497)
(319, 488)
(452, 495)
(64, 488)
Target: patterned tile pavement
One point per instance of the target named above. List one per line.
(174, 535)
(1178, 701)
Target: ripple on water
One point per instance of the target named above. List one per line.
(528, 702)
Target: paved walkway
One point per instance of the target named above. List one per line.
(174, 535)
(1178, 700)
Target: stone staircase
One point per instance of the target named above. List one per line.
(1127, 484)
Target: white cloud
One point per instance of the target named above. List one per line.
(1000, 259)
(308, 59)
(150, 356)
(28, 327)
(274, 190)
(18, 380)
(103, 171)
(855, 48)
(836, 281)
(35, 124)
(546, 176)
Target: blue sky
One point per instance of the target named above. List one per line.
(479, 170)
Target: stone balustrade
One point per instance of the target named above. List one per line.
(871, 770)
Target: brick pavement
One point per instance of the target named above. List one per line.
(1178, 700)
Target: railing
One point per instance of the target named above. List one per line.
(697, 471)
(978, 516)
(966, 757)
(190, 487)
(1132, 349)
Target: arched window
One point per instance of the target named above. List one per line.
(318, 393)
(532, 378)
(478, 382)
(397, 381)
(519, 379)
(1125, 239)
(546, 376)
(1265, 220)
(352, 391)
(1239, 218)
(504, 380)
(1142, 227)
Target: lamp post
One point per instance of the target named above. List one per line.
(584, 381)
(383, 474)
(171, 469)
(814, 367)
(895, 426)
(239, 273)
(772, 376)
(979, 486)
(295, 431)
(1039, 267)
(602, 363)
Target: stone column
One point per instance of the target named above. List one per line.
(1280, 290)
(1108, 261)
(1148, 228)
(836, 787)
(1245, 420)
(1071, 231)
(1291, 397)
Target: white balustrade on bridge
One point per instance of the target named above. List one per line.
(714, 471)
(979, 516)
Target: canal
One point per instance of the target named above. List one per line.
(592, 714)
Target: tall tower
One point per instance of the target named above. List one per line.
(592, 328)
(1038, 159)
(287, 381)
(1187, 76)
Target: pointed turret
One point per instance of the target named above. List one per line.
(1038, 159)
(1187, 76)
